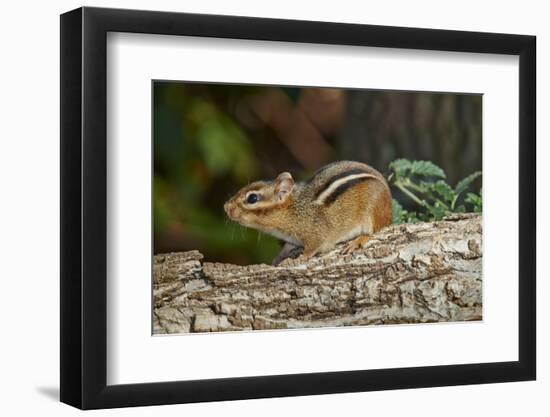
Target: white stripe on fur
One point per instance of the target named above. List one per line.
(325, 194)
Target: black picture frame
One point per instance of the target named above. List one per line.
(84, 207)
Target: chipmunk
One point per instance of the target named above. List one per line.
(342, 201)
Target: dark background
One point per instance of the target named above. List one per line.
(211, 139)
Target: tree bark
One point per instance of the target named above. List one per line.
(410, 273)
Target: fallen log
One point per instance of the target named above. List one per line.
(408, 273)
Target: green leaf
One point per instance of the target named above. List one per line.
(399, 213)
(464, 183)
(475, 201)
(444, 190)
(426, 169)
(400, 167)
(412, 217)
(424, 186)
(438, 211)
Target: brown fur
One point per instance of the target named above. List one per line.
(355, 211)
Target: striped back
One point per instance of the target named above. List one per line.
(333, 180)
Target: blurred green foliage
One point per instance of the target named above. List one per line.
(209, 140)
(198, 149)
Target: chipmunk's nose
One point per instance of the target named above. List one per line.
(227, 208)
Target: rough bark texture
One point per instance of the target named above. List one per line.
(412, 273)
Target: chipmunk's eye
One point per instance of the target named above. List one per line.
(252, 198)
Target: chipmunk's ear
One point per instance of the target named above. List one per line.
(284, 184)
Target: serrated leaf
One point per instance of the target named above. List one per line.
(464, 183)
(427, 169)
(400, 166)
(444, 190)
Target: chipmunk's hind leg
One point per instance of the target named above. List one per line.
(356, 244)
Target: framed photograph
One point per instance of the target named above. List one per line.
(259, 208)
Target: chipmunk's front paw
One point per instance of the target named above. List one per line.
(356, 244)
(289, 251)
